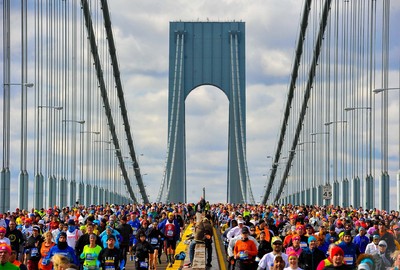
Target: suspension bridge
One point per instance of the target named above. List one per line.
(339, 136)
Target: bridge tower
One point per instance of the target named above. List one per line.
(206, 53)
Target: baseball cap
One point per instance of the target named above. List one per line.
(245, 230)
(240, 221)
(36, 227)
(111, 236)
(276, 239)
(170, 215)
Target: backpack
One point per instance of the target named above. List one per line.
(170, 229)
(180, 256)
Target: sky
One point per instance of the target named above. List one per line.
(143, 59)
(141, 35)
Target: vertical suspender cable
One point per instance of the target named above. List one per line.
(299, 50)
(310, 81)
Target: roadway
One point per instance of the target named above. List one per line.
(184, 246)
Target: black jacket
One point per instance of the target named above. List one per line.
(142, 250)
(309, 259)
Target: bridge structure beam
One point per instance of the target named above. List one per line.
(72, 103)
(206, 53)
(331, 93)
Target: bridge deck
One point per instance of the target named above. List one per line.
(182, 246)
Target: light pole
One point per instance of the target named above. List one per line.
(69, 151)
(113, 149)
(378, 90)
(357, 108)
(29, 85)
(91, 132)
(336, 185)
(81, 122)
(5, 172)
(58, 108)
(385, 181)
(40, 187)
(335, 122)
(301, 143)
(325, 195)
(109, 142)
(92, 193)
(319, 133)
(357, 188)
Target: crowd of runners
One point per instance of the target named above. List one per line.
(255, 236)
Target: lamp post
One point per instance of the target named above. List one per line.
(113, 149)
(29, 85)
(336, 186)
(301, 143)
(81, 122)
(63, 184)
(40, 189)
(335, 122)
(327, 196)
(357, 188)
(319, 133)
(379, 90)
(103, 142)
(92, 193)
(385, 181)
(91, 132)
(357, 108)
(58, 108)
(5, 172)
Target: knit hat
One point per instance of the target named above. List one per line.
(71, 222)
(311, 238)
(336, 251)
(382, 243)
(292, 254)
(364, 266)
(5, 247)
(347, 232)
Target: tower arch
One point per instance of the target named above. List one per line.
(202, 53)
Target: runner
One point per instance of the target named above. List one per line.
(170, 228)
